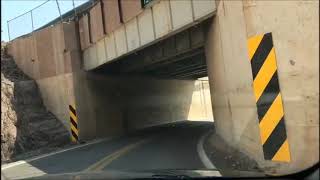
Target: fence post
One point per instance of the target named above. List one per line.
(74, 8)
(8, 30)
(32, 21)
(59, 10)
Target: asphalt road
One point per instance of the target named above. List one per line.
(173, 146)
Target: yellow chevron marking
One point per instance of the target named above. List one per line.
(74, 129)
(73, 139)
(265, 74)
(253, 44)
(73, 116)
(283, 153)
(271, 119)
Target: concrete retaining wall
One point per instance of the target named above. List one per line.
(295, 29)
(48, 56)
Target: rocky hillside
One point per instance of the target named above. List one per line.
(27, 128)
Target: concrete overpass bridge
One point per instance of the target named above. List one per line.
(125, 66)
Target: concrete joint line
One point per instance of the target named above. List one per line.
(98, 166)
(202, 154)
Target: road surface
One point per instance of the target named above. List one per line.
(173, 146)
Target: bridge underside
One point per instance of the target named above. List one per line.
(181, 56)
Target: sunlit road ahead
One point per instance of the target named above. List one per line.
(173, 146)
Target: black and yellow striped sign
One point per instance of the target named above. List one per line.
(268, 98)
(73, 124)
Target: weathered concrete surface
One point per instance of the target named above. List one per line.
(130, 9)
(162, 18)
(230, 77)
(111, 15)
(45, 53)
(140, 26)
(58, 93)
(180, 11)
(97, 106)
(84, 32)
(96, 24)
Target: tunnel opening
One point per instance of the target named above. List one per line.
(163, 83)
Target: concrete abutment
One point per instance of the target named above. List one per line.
(295, 32)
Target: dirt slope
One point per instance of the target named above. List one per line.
(27, 128)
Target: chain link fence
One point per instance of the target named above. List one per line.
(40, 16)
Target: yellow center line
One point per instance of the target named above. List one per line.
(98, 166)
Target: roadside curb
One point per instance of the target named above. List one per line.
(202, 154)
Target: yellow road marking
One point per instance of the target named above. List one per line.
(265, 74)
(271, 119)
(283, 153)
(98, 166)
(253, 44)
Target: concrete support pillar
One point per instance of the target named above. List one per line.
(295, 29)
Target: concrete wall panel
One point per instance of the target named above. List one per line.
(58, 47)
(110, 46)
(23, 53)
(35, 62)
(203, 8)
(181, 13)
(101, 52)
(71, 40)
(111, 15)
(72, 61)
(120, 40)
(162, 18)
(84, 32)
(86, 59)
(96, 25)
(132, 34)
(45, 53)
(130, 9)
(29, 55)
(90, 58)
(145, 24)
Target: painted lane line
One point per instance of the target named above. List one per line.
(98, 166)
(202, 154)
(10, 165)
